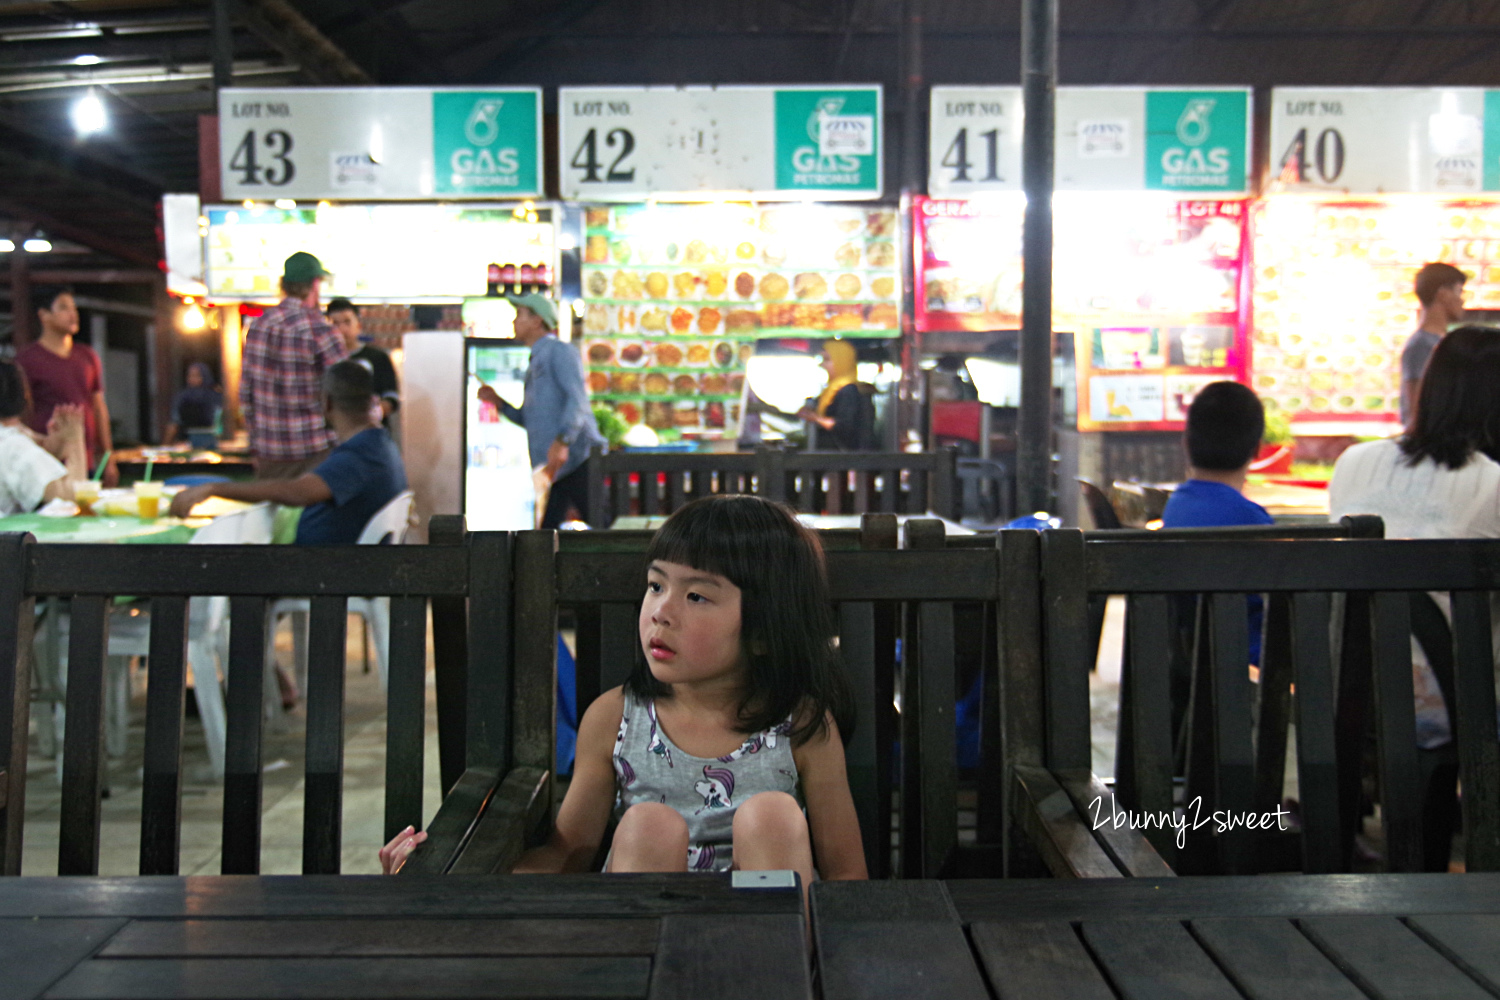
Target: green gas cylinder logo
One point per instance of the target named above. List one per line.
(827, 140)
(484, 143)
(1195, 141)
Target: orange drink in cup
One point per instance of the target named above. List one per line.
(86, 494)
(148, 500)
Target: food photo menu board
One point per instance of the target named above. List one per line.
(1149, 286)
(677, 295)
(1334, 303)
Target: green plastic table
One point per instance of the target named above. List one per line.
(117, 530)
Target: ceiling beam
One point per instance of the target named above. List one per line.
(123, 249)
(88, 276)
(282, 27)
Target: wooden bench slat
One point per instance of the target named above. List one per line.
(450, 658)
(1234, 756)
(17, 621)
(161, 772)
(83, 739)
(1269, 957)
(1068, 655)
(1395, 726)
(1274, 703)
(767, 953)
(490, 664)
(520, 977)
(244, 709)
(857, 648)
(35, 953)
(519, 805)
(1385, 958)
(453, 824)
(1317, 760)
(405, 714)
(1474, 715)
(1052, 824)
(1039, 960)
(1155, 960)
(1095, 804)
(323, 786)
(1145, 764)
(334, 937)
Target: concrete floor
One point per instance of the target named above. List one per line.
(203, 799)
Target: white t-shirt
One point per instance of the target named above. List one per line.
(25, 471)
(1422, 501)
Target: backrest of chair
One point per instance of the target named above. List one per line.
(1355, 588)
(251, 575)
(246, 527)
(390, 523)
(1102, 511)
(663, 481)
(818, 482)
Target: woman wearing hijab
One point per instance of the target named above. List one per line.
(197, 405)
(844, 413)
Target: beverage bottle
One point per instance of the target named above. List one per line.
(493, 281)
(507, 278)
(528, 278)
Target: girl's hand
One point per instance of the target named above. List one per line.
(394, 854)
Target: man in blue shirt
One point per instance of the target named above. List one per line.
(559, 422)
(359, 476)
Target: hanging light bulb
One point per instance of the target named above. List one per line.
(89, 115)
(193, 319)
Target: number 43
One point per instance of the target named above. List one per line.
(278, 143)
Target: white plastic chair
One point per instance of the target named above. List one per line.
(208, 638)
(387, 527)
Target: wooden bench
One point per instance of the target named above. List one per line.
(1357, 590)
(881, 594)
(811, 482)
(90, 576)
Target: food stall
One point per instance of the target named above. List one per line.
(409, 196)
(1365, 186)
(1150, 258)
(708, 251)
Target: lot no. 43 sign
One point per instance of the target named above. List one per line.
(379, 142)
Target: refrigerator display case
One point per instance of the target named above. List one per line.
(677, 296)
(498, 490)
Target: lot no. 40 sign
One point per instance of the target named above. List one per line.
(379, 142)
(623, 143)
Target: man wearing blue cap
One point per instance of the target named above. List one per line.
(560, 427)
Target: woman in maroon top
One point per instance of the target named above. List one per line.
(60, 372)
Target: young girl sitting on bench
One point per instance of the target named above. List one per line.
(731, 721)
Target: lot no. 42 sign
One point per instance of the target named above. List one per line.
(635, 142)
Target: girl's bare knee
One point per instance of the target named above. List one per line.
(652, 823)
(770, 814)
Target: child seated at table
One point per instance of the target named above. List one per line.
(360, 476)
(30, 471)
(1225, 423)
(736, 708)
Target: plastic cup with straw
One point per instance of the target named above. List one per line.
(86, 491)
(147, 496)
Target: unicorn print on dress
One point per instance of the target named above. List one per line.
(654, 741)
(717, 788)
(625, 772)
(701, 859)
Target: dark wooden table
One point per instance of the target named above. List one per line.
(668, 936)
(1305, 936)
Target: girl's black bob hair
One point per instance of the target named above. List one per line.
(1458, 400)
(786, 622)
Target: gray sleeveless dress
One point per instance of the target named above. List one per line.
(705, 792)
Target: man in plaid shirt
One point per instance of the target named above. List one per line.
(286, 352)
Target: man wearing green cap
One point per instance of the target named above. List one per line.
(287, 350)
(560, 427)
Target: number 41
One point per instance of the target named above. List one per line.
(957, 157)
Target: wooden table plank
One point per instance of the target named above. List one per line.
(1467, 940)
(732, 958)
(35, 953)
(1388, 961)
(1156, 960)
(450, 896)
(1194, 897)
(1038, 961)
(1269, 959)
(896, 940)
(397, 936)
(372, 978)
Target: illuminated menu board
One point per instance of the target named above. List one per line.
(393, 252)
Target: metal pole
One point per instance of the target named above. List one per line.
(912, 138)
(222, 42)
(23, 320)
(1039, 93)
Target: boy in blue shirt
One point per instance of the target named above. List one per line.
(359, 476)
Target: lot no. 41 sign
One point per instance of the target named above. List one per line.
(635, 142)
(379, 142)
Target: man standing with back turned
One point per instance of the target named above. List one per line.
(1440, 290)
(287, 350)
(560, 427)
